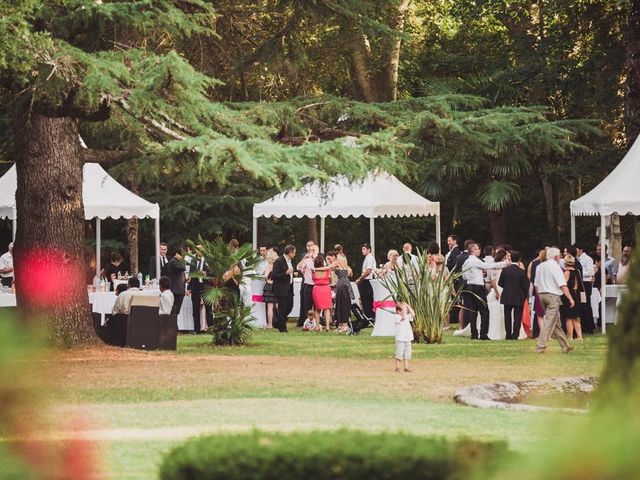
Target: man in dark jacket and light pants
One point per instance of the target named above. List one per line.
(515, 289)
(282, 276)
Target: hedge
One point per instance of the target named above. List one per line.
(337, 455)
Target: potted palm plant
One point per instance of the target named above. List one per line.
(226, 267)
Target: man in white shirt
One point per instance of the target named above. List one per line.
(6, 267)
(262, 264)
(364, 280)
(123, 302)
(473, 275)
(551, 285)
(407, 256)
(166, 296)
(588, 270)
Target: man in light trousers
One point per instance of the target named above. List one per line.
(551, 285)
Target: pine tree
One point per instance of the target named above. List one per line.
(65, 64)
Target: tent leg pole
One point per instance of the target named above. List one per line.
(322, 234)
(157, 228)
(603, 274)
(573, 229)
(254, 237)
(14, 226)
(372, 235)
(98, 240)
(438, 232)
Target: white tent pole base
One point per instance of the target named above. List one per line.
(98, 241)
(254, 234)
(322, 231)
(438, 232)
(573, 229)
(372, 235)
(603, 273)
(157, 229)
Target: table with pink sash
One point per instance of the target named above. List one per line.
(385, 310)
(252, 294)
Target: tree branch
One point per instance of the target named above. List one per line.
(69, 110)
(107, 158)
(150, 122)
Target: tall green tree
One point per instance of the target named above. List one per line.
(114, 63)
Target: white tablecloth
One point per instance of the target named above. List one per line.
(252, 290)
(7, 300)
(496, 321)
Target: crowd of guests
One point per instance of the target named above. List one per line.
(485, 274)
(327, 298)
(561, 283)
(325, 289)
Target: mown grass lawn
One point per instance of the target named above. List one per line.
(140, 404)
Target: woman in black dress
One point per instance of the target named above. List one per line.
(575, 286)
(110, 271)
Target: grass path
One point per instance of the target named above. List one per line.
(136, 405)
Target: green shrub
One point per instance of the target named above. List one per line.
(338, 455)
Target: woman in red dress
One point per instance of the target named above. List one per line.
(322, 291)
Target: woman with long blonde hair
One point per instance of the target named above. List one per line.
(268, 297)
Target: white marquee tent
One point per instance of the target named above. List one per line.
(617, 193)
(379, 195)
(102, 197)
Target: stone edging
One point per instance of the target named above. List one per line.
(505, 395)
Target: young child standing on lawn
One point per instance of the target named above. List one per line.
(404, 335)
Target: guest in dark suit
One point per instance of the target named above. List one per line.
(454, 251)
(282, 276)
(176, 276)
(515, 290)
(164, 263)
(197, 288)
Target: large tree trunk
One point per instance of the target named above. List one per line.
(498, 227)
(388, 86)
(132, 236)
(312, 230)
(49, 254)
(547, 191)
(373, 82)
(632, 98)
(361, 83)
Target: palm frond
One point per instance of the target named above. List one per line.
(497, 194)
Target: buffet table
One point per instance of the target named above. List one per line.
(102, 303)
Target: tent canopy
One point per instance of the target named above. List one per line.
(618, 193)
(102, 196)
(379, 195)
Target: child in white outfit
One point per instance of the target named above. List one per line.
(404, 335)
(310, 323)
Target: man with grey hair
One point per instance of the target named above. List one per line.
(551, 285)
(6, 267)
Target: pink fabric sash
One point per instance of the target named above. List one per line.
(257, 298)
(383, 304)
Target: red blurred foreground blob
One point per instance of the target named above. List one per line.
(52, 276)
